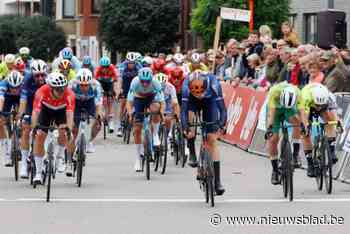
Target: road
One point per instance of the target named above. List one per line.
(115, 199)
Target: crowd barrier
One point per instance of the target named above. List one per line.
(246, 125)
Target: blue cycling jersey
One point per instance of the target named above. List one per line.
(94, 92)
(6, 92)
(140, 91)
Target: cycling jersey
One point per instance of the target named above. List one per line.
(28, 91)
(176, 82)
(10, 96)
(212, 104)
(94, 92)
(43, 97)
(110, 75)
(275, 93)
(140, 91)
(4, 71)
(128, 75)
(202, 67)
(169, 97)
(308, 99)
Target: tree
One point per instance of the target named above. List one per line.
(269, 12)
(138, 25)
(39, 33)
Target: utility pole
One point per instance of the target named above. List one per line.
(251, 22)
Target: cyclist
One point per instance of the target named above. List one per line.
(195, 64)
(202, 92)
(147, 61)
(88, 96)
(54, 102)
(177, 78)
(10, 89)
(88, 63)
(7, 65)
(33, 80)
(284, 104)
(158, 66)
(106, 74)
(129, 70)
(66, 53)
(65, 68)
(24, 54)
(170, 98)
(145, 93)
(317, 100)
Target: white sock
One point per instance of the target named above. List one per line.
(60, 151)
(155, 128)
(8, 146)
(25, 154)
(38, 164)
(139, 149)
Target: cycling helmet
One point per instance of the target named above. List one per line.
(105, 62)
(14, 79)
(177, 72)
(57, 80)
(320, 94)
(38, 66)
(138, 56)
(159, 64)
(67, 53)
(24, 51)
(288, 97)
(178, 58)
(145, 74)
(195, 58)
(147, 61)
(161, 77)
(84, 76)
(131, 57)
(65, 64)
(10, 58)
(87, 60)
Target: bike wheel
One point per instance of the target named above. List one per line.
(290, 170)
(32, 170)
(105, 130)
(49, 176)
(164, 149)
(327, 169)
(318, 164)
(183, 157)
(148, 154)
(80, 159)
(283, 171)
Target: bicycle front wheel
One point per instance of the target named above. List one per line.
(327, 167)
(164, 149)
(148, 154)
(80, 159)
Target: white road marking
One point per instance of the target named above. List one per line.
(169, 200)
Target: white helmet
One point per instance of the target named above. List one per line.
(57, 80)
(288, 97)
(24, 50)
(320, 94)
(131, 57)
(84, 76)
(196, 58)
(10, 58)
(38, 66)
(178, 58)
(147, 60)
(138, 55)
(15, 79)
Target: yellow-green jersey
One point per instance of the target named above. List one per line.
(202, 67)
(4, 71)
(70, 76)
(274, 95)
(308, 99)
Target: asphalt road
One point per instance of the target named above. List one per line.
(115, 199)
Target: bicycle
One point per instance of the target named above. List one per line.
(126, 127)
(178, 143)
(206, 167)
(14, 134)
(321, 155)
(160, 153)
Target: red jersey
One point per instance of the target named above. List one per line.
(178, 80)
(109, 73)
(43, 96)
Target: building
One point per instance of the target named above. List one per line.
(19, 7)
(303, 16)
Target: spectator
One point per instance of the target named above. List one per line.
(232, 56)
(255, 46)
(272, 69)
(283, 58)
(303, 61)
(281, 44)
(316, 75)
(254, 63)
(265, 34)
(292, 72)
(335, 79)
(219, 70)
(289, 35)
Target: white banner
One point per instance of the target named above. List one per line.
(235, 14)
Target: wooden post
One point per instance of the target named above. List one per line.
(251, 22)
(216, 39)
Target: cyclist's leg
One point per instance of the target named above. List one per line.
(193, 108)
(139, 106)
(307, 144)
(296, 136)
(272, 146)
(330, 131)
(154, 108)
(60, 120)
(4, 136)
(122, 103)
(24, 141)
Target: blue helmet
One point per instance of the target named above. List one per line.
(87, 60)
(145, 74)
(67, 53)
(105, 62)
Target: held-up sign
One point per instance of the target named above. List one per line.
(235, 14)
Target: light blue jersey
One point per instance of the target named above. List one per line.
(140, 91)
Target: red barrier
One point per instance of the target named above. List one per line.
(243, 107)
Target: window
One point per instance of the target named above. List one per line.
(96, 6)
(68, 8)
(310, 27)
